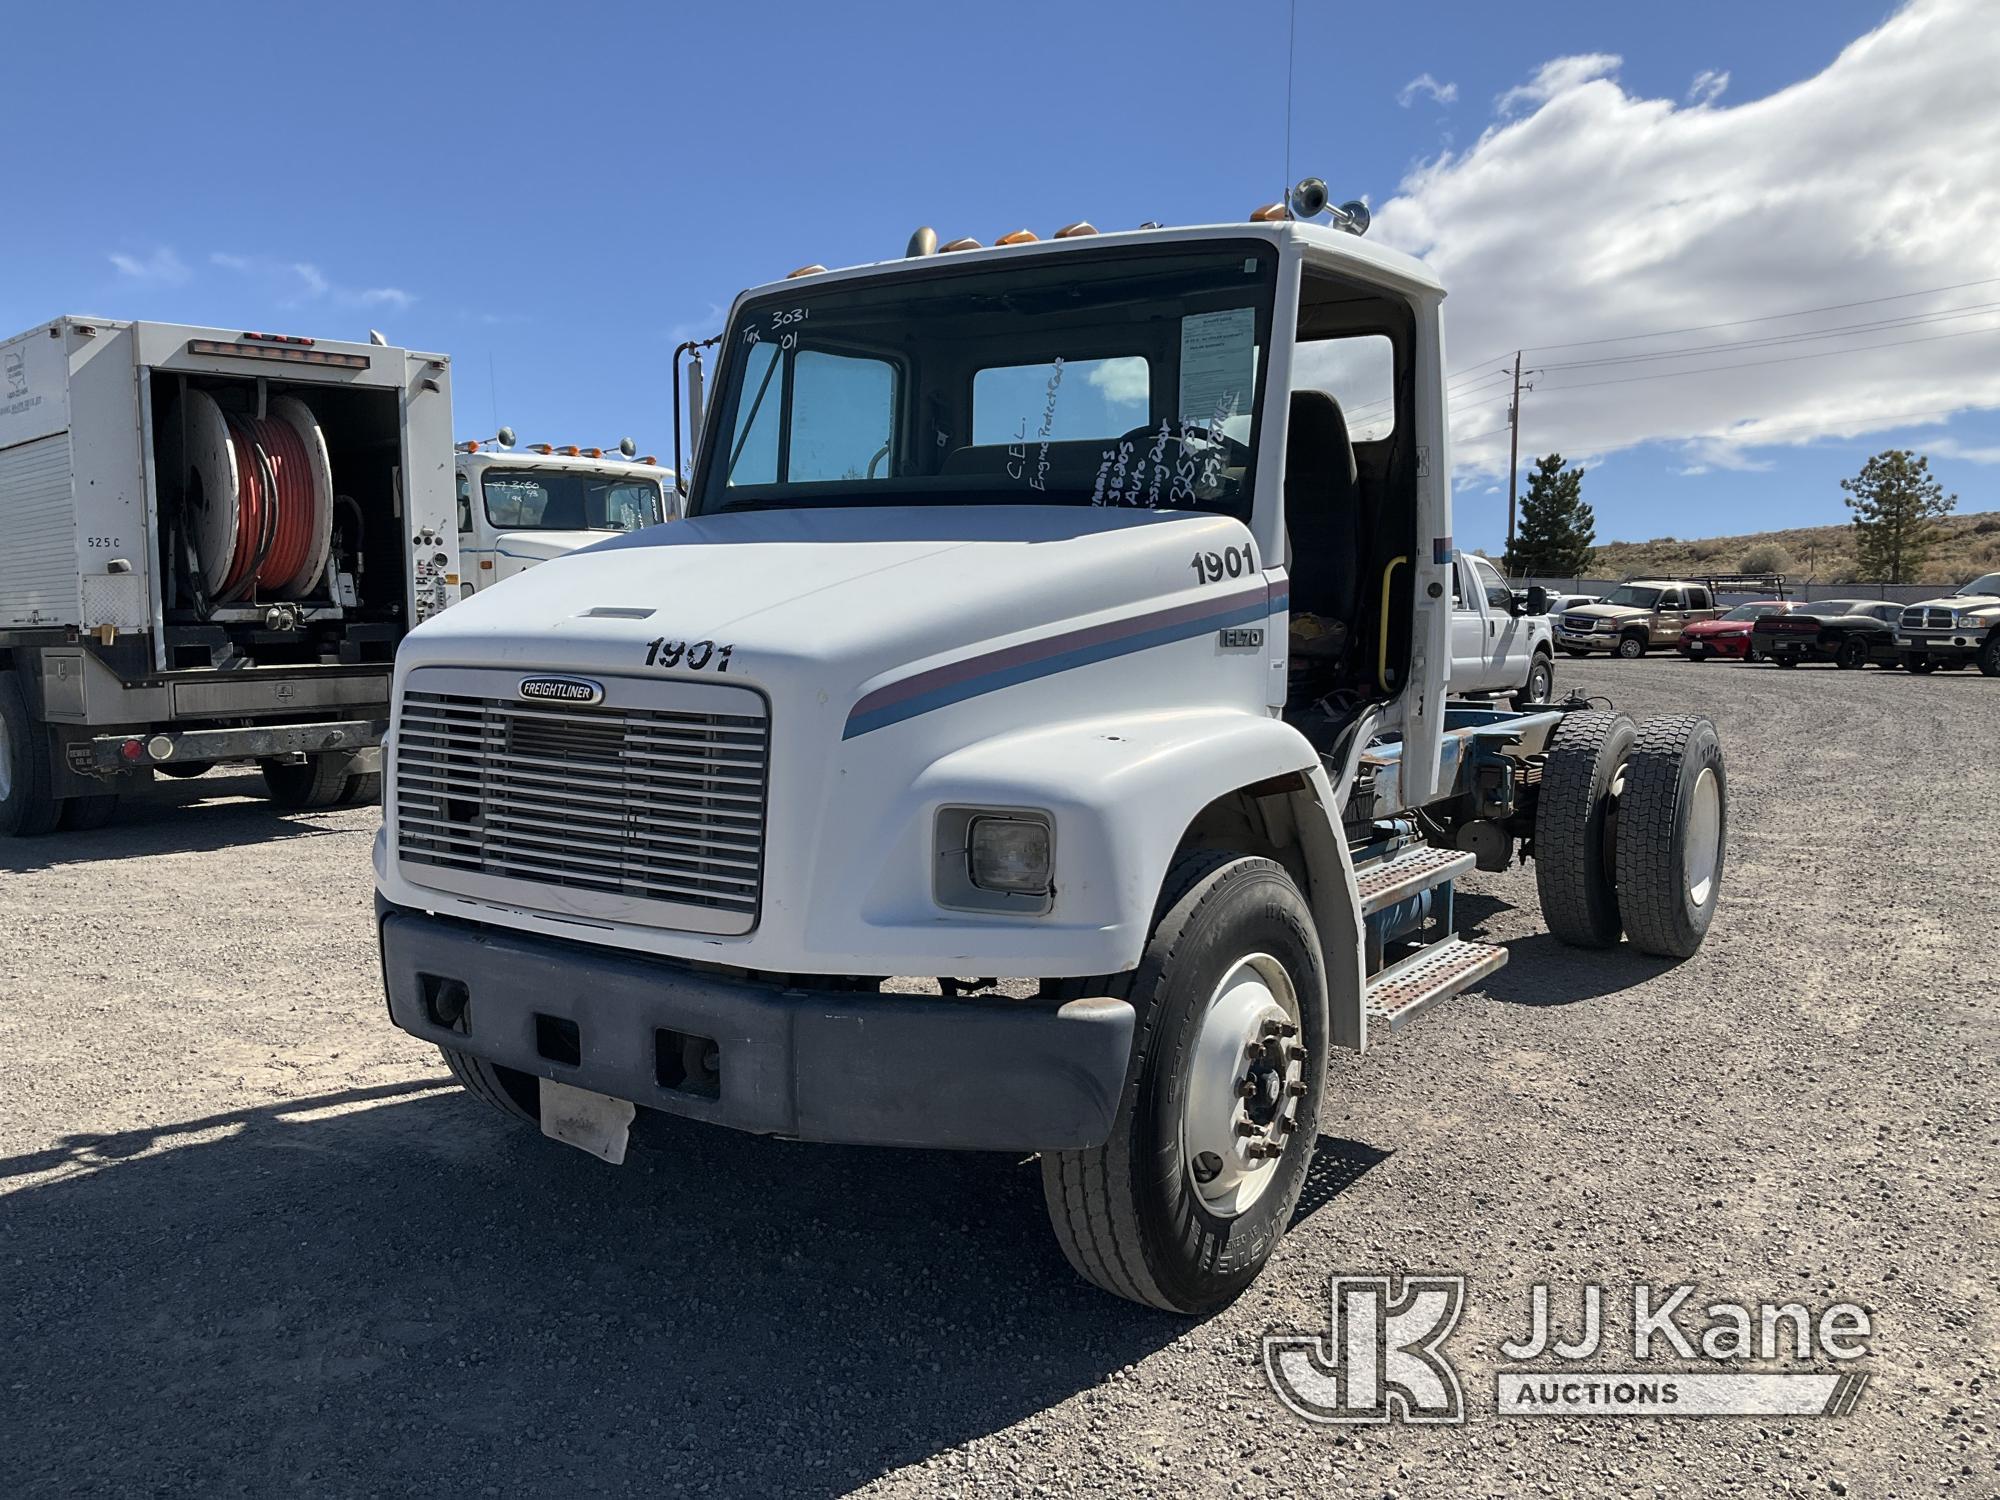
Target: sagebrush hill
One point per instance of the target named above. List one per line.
(1968, 544)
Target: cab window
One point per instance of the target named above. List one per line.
(817, 416)
(464, 503)
(1061, 400)
(1498, 595)
(1698, 598)
(1671, 599)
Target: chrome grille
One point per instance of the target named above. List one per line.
(1919, 618)
(615, 803)
(1579, 624)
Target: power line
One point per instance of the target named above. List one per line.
(1888, 420)
(1786, 359)
(1914, 320)
(1803, 312)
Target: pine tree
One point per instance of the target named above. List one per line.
(1896, 503)
(1557, 529)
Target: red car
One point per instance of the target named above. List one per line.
(1730, 634)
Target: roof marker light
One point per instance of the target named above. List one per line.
(811, 270)
(1080, 227)
(1018, 237)
(967, 243)
(1271, 213)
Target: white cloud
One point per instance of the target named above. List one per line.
(1708, 86)
(1599, 215)
(1950, 447)
(161, 268)
(1423, 83)
(298, 283)
(1123, 381)
(1560, 75)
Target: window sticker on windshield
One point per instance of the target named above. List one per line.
(1218, 361)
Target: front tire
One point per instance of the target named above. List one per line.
(1540, 685)
(1632, 647)
(1576, 827)
(320, 782)
(1989, 655)
(1918, 663)
(28, 805)
(1852, 655)
(515, 1094)
(1184, 1203)
(1673, 835)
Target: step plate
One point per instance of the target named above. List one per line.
(1408, 987)
(1414, 870)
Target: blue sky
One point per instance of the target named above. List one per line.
(555, 195)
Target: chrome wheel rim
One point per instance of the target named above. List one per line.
(1246, 1078)
(1703, 847)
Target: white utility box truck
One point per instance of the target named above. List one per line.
(211, 544)
(522, 506)
(1039, 630)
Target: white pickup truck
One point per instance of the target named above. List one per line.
(1499, 648)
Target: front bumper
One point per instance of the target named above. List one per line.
(820, 1065)
(1594, 641)
(1715, 645)
(1962, 642)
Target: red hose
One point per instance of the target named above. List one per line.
(287, 515)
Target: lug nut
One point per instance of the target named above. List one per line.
(1264, 1151)
(1254, 1051)
(1296, 1054)
(1284, 1125)
(1244, 1127)
(1247, 1089)
(1296, 1088)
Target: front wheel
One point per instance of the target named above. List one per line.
(1852, 655)
(1914, 661)
(1673, 834)
(1540, 684)
(1576, 827)
(1632, 648)
(1989, 655)
(321, 781)
(1182, 1206)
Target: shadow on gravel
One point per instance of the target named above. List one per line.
(1542, 971)
(171, 817)
(1337, 1165)
(414, 1296)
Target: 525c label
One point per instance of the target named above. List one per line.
(696, 656)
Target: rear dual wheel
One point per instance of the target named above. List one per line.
(1184, 1203)
(1631, 831)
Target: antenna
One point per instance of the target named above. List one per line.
(1291, 51)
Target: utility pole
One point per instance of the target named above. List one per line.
(1513, 455)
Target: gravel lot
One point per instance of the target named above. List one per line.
(253, 1243)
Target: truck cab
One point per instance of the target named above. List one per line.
(1501, 645)
(1960, 627)
(1039, 736)
(517, 508)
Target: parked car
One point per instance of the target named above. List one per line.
(1848, 632)
(1729, 634)
(1635, 617)
(1962, 626)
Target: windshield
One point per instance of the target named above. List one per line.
(1084, 378)
(552, 500)
(1987, 584)
(1831, 607)
(1636, 598)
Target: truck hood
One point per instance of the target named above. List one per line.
(1609, 611)
(828, 603)
(540, 546)
(1965, 604)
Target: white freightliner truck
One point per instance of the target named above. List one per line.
(1037, 626)
(521, 506)
(214, 541)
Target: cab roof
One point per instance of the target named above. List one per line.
(1358, 257)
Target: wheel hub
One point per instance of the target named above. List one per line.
(1703, 844)
(1246, 1079)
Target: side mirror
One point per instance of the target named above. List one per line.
(1538, 599)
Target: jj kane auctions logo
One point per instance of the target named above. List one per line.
(1382, 1356)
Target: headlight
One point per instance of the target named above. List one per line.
(999, 859)
(1009, 854)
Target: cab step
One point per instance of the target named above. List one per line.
(1411, 985)
(1421, 867)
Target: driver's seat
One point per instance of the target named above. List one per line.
(1322, 509)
